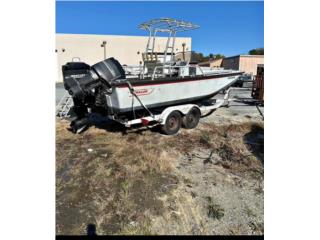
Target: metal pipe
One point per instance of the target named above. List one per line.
(104, 43)
(183, 51)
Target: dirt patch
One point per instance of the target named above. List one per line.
(221, 186)
(208, 180)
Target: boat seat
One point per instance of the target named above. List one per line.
(151, 61)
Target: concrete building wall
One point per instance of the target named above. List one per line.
(204, 64)
(231, 63)
(216, 63)
(246, 63)
(126, 49)
(250, 63)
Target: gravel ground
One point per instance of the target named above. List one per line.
(60, 91)
(241, 109)
(236, 196)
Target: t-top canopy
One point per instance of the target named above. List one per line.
(167, 25)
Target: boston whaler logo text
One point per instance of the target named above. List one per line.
(143, 91)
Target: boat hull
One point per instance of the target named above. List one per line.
(166, 93)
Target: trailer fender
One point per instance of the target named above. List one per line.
(183, 109)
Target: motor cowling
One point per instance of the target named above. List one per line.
(88, 85)
(109, 70)
(80, 78)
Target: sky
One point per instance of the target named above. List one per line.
(228, 28)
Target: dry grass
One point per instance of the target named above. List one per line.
(215, 211)
(257, 228)
(229, 142)
(117, 184)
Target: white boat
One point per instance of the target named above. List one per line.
(167, 91)
(162, 81)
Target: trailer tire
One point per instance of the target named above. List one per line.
(172, 124)
(191, 119)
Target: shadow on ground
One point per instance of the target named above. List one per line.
(109, 125)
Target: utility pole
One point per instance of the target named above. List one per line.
(104, 43)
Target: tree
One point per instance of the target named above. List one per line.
(218, 56)
(257, 51)
(199, 57)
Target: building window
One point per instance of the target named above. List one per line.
(63, 50)
(138, 52)
(56, 50)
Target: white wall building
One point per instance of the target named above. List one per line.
(94, 48)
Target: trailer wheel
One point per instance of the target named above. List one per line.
(191, 119)
(172, 124)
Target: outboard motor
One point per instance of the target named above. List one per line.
(88, 85)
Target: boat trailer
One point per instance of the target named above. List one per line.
(187, 115)
(172, 118)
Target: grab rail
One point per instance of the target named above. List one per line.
(170, 67)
